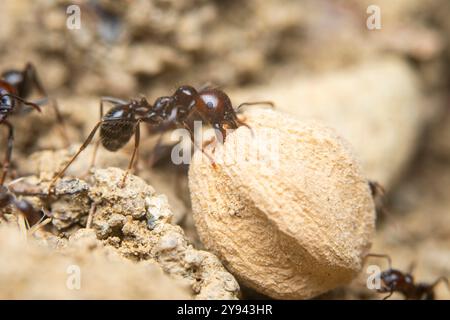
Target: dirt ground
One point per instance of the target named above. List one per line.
(385, 91)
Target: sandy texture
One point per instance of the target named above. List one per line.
(30, 270)
(136, 222)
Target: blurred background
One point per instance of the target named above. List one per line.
(385, 90)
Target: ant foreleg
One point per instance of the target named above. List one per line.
(8, 152)
(30, 74)
(220, 132)
(236, 122)
(97, 143)
(411, 267)
(389, 295)
(156, 152)
(91, 216)
(383, 256)
(83, 146)
(60, 120)
(441, 279)
(191, 133)
(137, 137)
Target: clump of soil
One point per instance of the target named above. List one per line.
(134, 222)
(81, 268)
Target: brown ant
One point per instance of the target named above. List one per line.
(379, 197)
(123, 120)
(393, 280)
(7, 198)
(376, 189)
(15, 87)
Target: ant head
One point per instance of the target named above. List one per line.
(6, 102)
(4, 196)
(185, 96)
(390, 278)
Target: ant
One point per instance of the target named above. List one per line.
(393, 280)
(376, 189)
(15, 87)
(379, 197)
(32, 215)
(123, 120)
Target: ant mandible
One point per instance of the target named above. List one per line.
(393, 280)
(15, 87)
(123, 120)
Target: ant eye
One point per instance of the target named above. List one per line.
(6, 101)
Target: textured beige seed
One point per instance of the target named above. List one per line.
(290, 229)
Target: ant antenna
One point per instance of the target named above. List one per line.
(269, 103)
(441, 279)
(383, 256)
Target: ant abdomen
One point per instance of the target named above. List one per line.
(117, 128)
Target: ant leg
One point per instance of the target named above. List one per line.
(60, 119)
(30, 74)
(8, 153)
(43, 222)
(441, 279)
(378, 196)
(411, 267)
(383, 256)
(137, 137)
(91, 216)
(97, 143)
(220, 132)
(376, 189)
(236, 122)
(155, 155)
(94, 155)
(198, 147)
(83, 146)
(32, 215)
(389, 295)
(269, 103)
